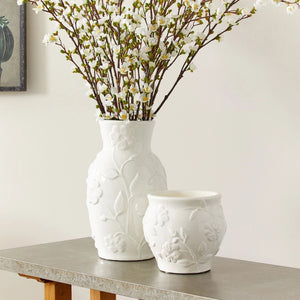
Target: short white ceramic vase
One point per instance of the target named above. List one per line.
(184, 229)
(118, 182)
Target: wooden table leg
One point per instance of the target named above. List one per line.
(54, 290)
(98, 295)
(58, 291)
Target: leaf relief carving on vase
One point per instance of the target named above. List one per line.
(212, 232)
(183, 235)
(110, 174)
(94, 192)
(194, 211)
(119, 205)
(140, 208)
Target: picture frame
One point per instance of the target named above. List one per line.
(12, 46)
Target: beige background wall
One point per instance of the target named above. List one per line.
(233, 126)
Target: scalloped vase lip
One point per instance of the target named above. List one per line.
(102, 121)
(185, 195)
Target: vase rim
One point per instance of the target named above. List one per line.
(185, 195)
(127, 121)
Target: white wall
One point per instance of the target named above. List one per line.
(236, 124)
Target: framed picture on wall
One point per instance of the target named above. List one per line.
(12, 46)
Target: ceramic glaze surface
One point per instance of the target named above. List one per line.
(184, 230)
(118, 182)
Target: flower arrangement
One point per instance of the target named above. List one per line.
(123, 49)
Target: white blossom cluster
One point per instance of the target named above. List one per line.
(123, 49)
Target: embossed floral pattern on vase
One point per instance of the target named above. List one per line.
(116, 242)
(122, 137)
(184, 234)
(118, 182)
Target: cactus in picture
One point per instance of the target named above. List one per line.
(6, 42)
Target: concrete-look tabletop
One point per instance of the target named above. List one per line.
(76, 262)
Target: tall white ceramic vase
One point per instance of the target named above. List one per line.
(118, 182)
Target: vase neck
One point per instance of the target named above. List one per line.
(126, 135)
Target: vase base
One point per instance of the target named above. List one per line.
(197, 269)
(125, 259)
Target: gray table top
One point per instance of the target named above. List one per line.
(76, 262)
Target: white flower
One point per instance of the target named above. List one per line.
(133, 89)
(82, 24)
(49, 39)
(20, 2)
(192, 67)
(97, 32)
(193, 48)
(124, 69)
(125, 23)
(134, 52)
(133, 107)
(67, 11)
(101, 87)
(137, 18)
(152, 64)
(141, 31)
(147, 89)
(291, 8)
(196, 6)
(114, 91)
(244, 11)
(88, 53)
(123, 115)
(144, 56)
(102, 20)
(165, 56)
(152, 41)
(229, 20)
(107, 116)
(153, 27)
(161, 20)
(116, 19)
(144, 98)
(93, 63)
(38, 7)
(112, 9)
(219, 11)
(259, 3)
(108, 100)
(104, 66)
(129, 60)
(162, 47)
(117, 49)
(121, 95)
(132, 27)
(145, 49)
